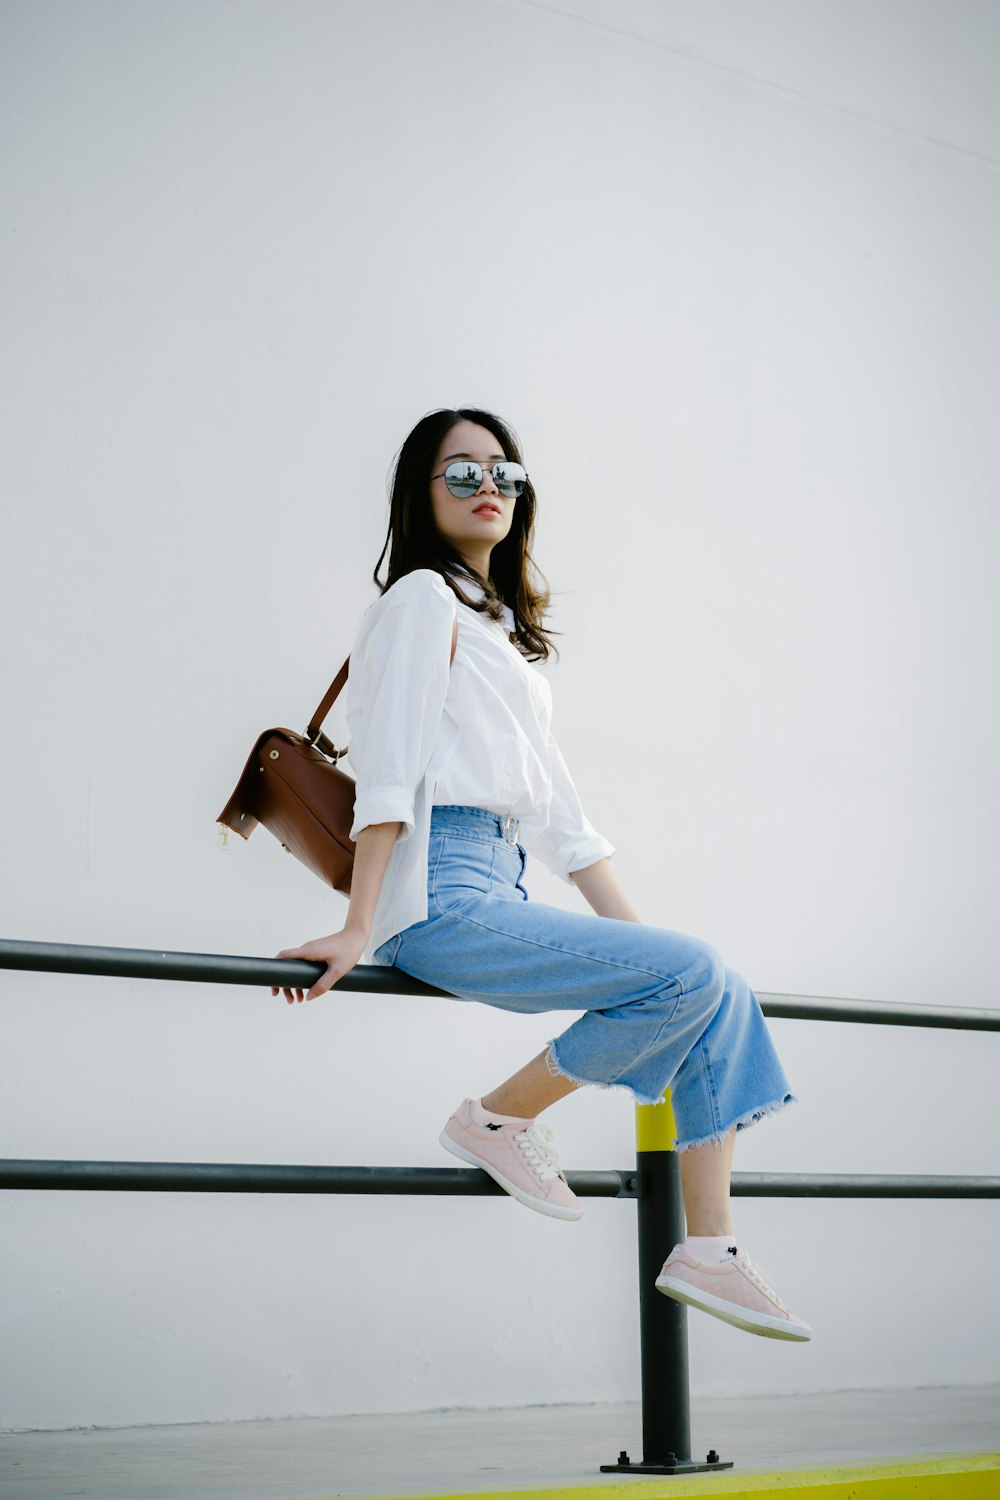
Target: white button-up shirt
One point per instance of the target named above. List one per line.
(478, 732)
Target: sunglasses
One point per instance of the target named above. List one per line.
(464, 479)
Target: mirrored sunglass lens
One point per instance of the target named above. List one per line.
(463, 479)
(509, 478)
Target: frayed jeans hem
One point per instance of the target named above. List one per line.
(744, 1122)
(555, 1066)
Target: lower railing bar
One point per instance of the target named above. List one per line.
(864, 1185)
(239, 1177)
(221, 968)
(461, 1182)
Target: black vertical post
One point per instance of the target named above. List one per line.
(666, 1410)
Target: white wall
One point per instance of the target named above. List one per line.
(730, 270)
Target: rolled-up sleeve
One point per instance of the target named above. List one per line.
(396, 688)
(570, 842)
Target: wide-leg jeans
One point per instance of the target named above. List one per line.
(659, 1008)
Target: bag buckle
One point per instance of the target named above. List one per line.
(327, 747)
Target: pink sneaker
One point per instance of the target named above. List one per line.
(518, 1157)
(734, 1289)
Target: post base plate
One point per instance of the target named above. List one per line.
(669, 1464)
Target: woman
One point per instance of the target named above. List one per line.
(455, 762)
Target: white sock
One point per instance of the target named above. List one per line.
(481, 1116)
(711, 1248)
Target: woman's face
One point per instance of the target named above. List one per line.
(474, 525)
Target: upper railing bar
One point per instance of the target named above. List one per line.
(878, 1012)
(219, 968)
(211, 968)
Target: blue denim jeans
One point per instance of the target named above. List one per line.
(659, 1008)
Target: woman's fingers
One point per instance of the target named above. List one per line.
(335, 954)
(292, 996)
(323, 983)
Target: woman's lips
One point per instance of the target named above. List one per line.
(486, 509)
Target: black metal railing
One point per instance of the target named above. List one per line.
(654, 1182)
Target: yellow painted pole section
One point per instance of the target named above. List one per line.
(655, 1126)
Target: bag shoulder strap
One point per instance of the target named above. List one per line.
(313, 735)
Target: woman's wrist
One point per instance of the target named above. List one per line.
(358, 927)
(374, 846)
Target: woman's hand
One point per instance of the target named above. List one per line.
(340, 951)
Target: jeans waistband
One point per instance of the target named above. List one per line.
(455, 815)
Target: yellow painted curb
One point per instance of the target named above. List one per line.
(655, 1126)
(963, 1476)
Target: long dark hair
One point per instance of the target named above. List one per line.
(413, 540)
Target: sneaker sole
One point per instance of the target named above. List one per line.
(739, 1317)
(552, 1210)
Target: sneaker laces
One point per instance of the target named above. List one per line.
(759, 1276)
(542, 1159)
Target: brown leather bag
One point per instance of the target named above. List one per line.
(292, 786)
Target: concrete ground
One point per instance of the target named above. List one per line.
(477, 1451)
